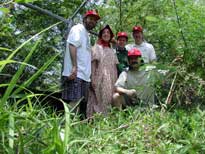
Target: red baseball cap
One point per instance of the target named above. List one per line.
(92, 13)
(137, 28)
(122, 34)
(134, 52)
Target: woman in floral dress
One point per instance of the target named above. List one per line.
(104, 74)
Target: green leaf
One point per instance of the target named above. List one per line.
(11, 131)
(4, 62)
(151, 18)
(5, 49)
(67, 127)
(33, 77)
(23, 44)
(17, 75)
(4, 10)
(25, 1)
(27, 97)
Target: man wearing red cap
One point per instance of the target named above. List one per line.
(147, 49)
(77, 60)
(121, 51)
(133, 85)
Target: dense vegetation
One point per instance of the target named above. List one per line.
(31, 51)
(135, 130)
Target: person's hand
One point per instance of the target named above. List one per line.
(73, 74)
(113, 41)
(132, 93)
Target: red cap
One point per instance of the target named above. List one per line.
(122, 34)
(137, 28)
(134, 52)
(92, 13)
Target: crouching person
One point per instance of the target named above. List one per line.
(132, 85)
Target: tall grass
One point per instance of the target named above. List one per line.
(34, 129)
(31, 128)
(13, 83)
(21, 125)
(137, 131)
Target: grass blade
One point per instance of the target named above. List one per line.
(16, 76)
(33, 77)
(67, 127)
(5, 49)
(11, 131)
(23, 44)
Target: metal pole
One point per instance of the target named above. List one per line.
(120, 15)
(49, 13)
(78, 9)
(181, 31)
(44, 11)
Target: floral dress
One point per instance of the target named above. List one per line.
(103, 77)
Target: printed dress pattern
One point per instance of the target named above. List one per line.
(104, 76)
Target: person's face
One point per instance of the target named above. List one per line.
(138, 36)
(106, 36)
(122, 41)
(90, 22)
(134, 62)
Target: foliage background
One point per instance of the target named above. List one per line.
(175, 28)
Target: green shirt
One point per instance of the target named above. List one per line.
(122, 58)
(140, 81)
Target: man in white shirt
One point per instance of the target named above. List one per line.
(147, 49)
(77, 61)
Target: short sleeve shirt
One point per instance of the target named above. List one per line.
(122, 58)
(138, 80)
(78, 37)
(147, 50)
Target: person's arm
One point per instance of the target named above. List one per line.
(74, 41)
(73, 54)
(128, 92)
(153, 56)
(114, 43)
(120, 86)
(94, 67)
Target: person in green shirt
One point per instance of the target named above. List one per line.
(121, 51)
(133, 85)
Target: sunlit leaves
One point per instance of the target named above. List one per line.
(3, 11)
(26, 1)
(151, 18)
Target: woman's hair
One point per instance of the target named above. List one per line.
(106, 27)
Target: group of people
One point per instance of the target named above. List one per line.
(100, 76)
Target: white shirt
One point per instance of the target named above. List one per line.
(78, 37)
(147, 51)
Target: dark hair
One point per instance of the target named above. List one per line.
(106, 27)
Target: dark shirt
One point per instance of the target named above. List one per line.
(122, 58)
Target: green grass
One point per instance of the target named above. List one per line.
(135, 130)
(26, 127)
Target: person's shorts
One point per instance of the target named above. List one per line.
(73, 90)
